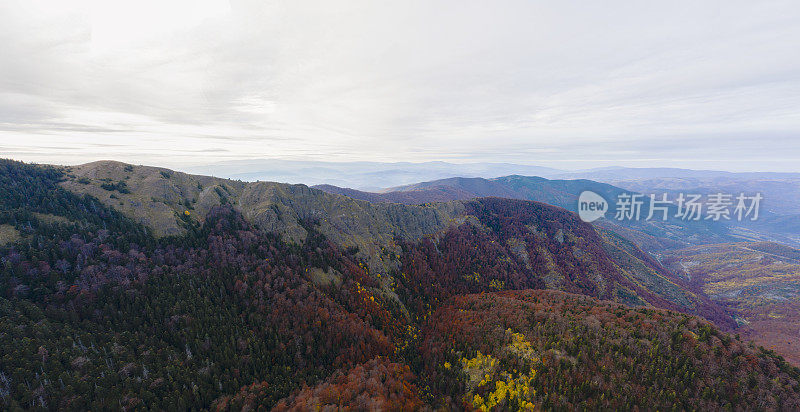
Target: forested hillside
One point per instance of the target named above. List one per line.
(99, 311)
(566, 352)
(376, 231)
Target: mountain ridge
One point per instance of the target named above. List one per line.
(98, 312)
(652, 235)
(375, 231)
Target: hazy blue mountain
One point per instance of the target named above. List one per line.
(640, 173)
(781, 191)
(360, 175)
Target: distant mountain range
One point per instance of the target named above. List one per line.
(360, 175)
(376, 176)
(781, 191)
(779, 209)
(640, 173)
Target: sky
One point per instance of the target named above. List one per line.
(571, 85)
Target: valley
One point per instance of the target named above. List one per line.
(759, 281)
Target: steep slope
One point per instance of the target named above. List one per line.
(98, 313)
(410, 197)
(376, 231)
(645, 272)
(519, 244)
(157, 197)
(369, 228)
(154, 197)
(162, 199)
(381, 234)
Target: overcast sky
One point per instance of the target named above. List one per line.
(699, 84)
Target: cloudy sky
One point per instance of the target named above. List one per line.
(710, 84)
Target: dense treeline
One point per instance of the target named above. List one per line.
(375, 385)
(465, 259)
(594, 355)
(94, 319)
(514, 246)
(97, 313)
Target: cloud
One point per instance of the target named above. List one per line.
(679, 83)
